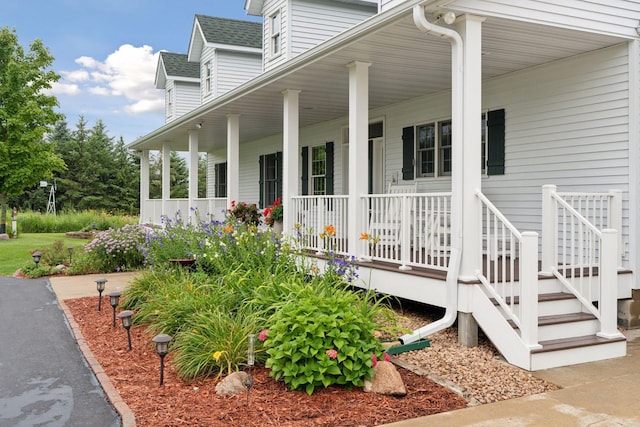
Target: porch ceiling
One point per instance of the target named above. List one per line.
(405, 63)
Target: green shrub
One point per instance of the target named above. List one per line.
(36, 222)
(243, 212)
(31, 271)
(319, 340)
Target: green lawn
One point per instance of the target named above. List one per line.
(15, 253)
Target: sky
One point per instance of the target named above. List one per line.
(106, 52)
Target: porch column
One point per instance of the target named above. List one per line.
(193, 170)
(166, 180)
(144, 185)
(470, 27)
(233, 158)
(358, 147)
(290, 157)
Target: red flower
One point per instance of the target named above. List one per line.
(233, 203)
(387, 358)
(374, 359)
(332, 354)
(263, 334)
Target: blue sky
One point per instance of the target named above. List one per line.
(106, 52)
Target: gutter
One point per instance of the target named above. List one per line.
(457, 61)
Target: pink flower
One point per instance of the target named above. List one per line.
(332, 354)
(387, 358)
(374, 359)
(263, 334)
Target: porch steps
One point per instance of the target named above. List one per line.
(566, 334)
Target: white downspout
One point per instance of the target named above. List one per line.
(457, 60)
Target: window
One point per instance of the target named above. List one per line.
(444, 137)
(169, 102)
(220, 172)
(270, 178)
(208, 79)
(276, 40)
(426, 149)
(318, 170)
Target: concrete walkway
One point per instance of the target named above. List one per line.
(603, 394)
(44, 379)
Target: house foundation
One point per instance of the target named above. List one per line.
(629, 311)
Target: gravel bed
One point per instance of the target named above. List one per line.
(479, 374)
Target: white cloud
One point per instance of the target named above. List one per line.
(58, 88)
(128, 72)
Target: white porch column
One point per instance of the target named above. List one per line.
(233, 158)
(144, 185)
(358, 147)
(166, 180)
(470, 29)
(193, 170)
(290, 157)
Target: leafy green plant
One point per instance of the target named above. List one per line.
(36, 222)
(244, 212)
(30, 270)
(117, 249)
(317, 341)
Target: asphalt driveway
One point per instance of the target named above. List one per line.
(44, 379)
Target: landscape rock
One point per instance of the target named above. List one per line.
(234, 383)
(385, 380)
(4, 236)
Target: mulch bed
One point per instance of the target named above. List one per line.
(135, 374)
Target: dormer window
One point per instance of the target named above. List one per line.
(208, 79)
(276, 26)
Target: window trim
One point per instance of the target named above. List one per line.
(275, 36)
(312, 175)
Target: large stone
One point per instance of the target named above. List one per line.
(235, 383)
(385, 380)
(629, 311)
(4, 236)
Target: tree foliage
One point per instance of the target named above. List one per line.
(26, 115)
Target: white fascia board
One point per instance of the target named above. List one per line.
(184, 79)
(161, 74)
(235, 48)
(196, 42)
(254, 7)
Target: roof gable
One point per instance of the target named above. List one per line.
(176, 67)
(224, 31)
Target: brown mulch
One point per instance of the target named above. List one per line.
(135, 374)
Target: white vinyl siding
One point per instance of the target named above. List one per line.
(270, 8)
(186, 97)
(169, 101)
(313, 22)
(234, 68)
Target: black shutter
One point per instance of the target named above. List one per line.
(328, 151)
(495, 142)
(261, 181)
(305, 171)
(370, 165)
(408, 151)
(216, 174)
(279, 174)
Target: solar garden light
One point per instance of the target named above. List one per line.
(125, 316)
(100, 286)
(70, 249)
(36, 258)
(250, 363)
(114, 298)
(162, 348)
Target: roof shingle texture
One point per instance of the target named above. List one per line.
(176, 64)
(231, 31)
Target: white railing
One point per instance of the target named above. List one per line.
(510, 270)
(313, 213)
(151, 211)
(213, 208)
(410, 229)
(583, 257)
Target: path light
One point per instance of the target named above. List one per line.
(36, 258)
(126, 323)
(250, 362)
(114, 298)
(70, 249)
(162, 348)
(100, 286)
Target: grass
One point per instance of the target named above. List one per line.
(15, 253)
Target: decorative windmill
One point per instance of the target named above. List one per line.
(51, 204)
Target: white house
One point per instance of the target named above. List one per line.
(493, 148)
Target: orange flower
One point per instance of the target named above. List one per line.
(228, 229)
(364, 236)
(330, 230)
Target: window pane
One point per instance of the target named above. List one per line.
(425, 149)
(445, 147)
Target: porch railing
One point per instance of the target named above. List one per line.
(154, 209)
(410, 229)
(582, 256)
(214, 207)
(510, 271)
(313, 214)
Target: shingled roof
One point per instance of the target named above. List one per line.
(176, 64)
(231, 31)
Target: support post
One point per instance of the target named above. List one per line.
(144, 187)
(615, 220)
(608, 284)
(358, 147)
(290, 156)
(467, 330)
(166, 180)
(193, 172)
(233, 158)
(549, 229)
(529, 290)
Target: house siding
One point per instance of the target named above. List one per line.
(316, 21)
(186, 98)
(270, 7)
(208, 54)
(235, 68)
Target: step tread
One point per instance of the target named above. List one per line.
(557, 319)
(575, 342)
(554, 296)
